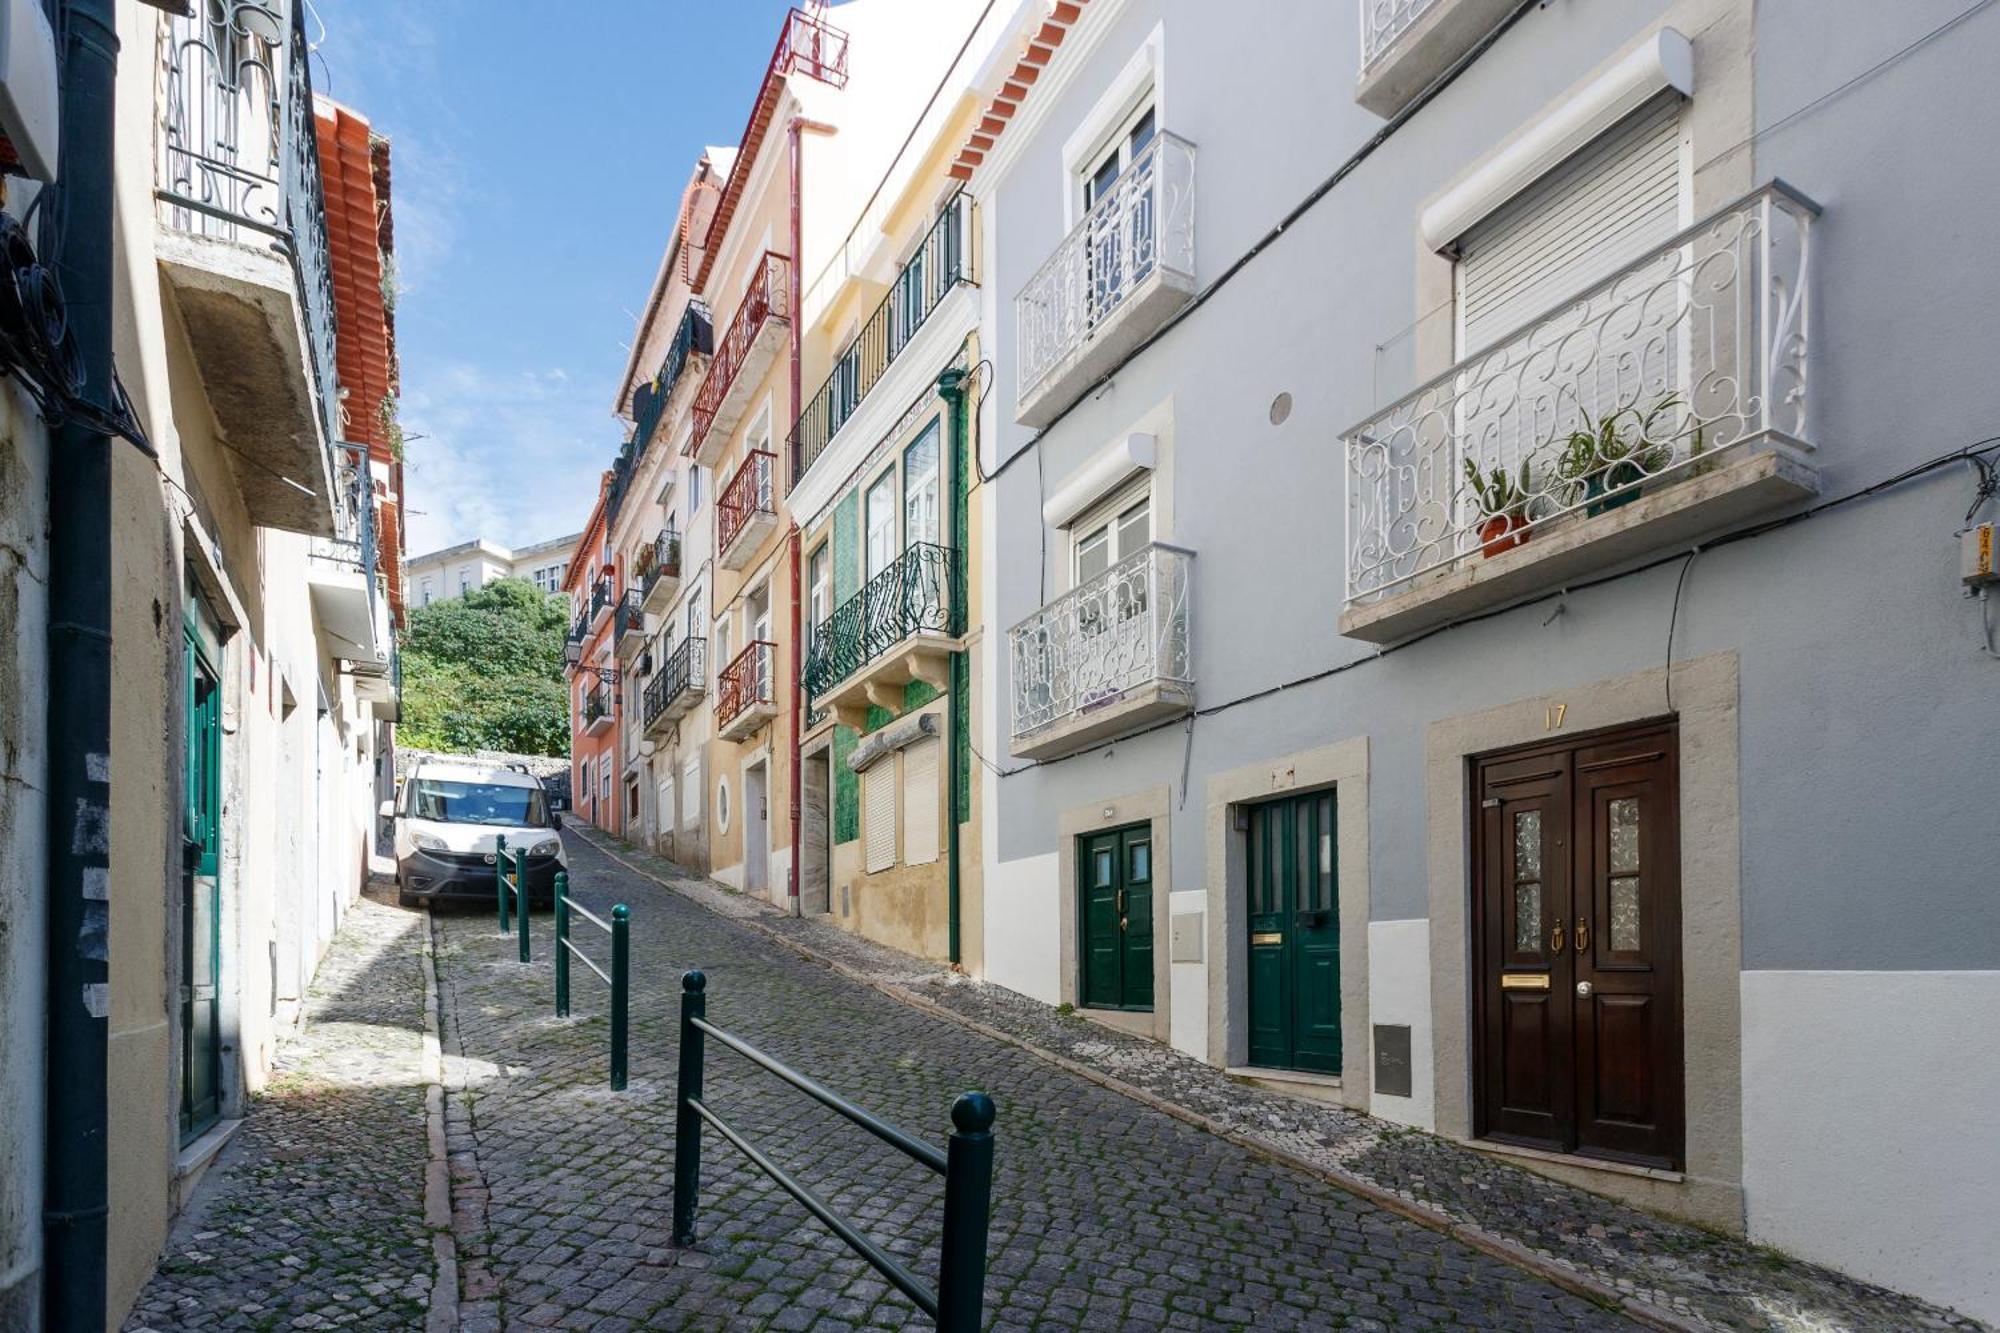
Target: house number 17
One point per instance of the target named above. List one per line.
(1554, 715)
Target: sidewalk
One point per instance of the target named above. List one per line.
(1664, 1273)
(313, 1216)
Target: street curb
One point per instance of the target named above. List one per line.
(1473, 1236)
(443, 1314)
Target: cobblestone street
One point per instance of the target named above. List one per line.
(313, 1215)
(1107, 1214)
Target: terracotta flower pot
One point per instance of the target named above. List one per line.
(1502, 532)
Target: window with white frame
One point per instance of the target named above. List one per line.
(583, 787)
(604, 779)
(1120, 242)
(920, 488)
(921, 802)
(819, 579)
(429, 589)
(879, 505)
(691, 791)
(1111, 530)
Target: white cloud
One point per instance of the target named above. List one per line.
(514, 457)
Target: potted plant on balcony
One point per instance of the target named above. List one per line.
(1605, 465)
(1503, 506)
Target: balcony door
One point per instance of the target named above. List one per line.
(1115, 869)
(1119, 216)
(1576, 919)
(1111, 607)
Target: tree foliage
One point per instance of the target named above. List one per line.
(485, 672)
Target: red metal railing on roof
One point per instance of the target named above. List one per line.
(810, 45)
(767, 298)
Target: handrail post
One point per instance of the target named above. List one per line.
(521, 897)
(621, 981)
(500, 878)
(562, 944)
(968, 1196)
(687, 1123)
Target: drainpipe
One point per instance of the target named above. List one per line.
(75, 1190)
(795, 129)
(951, 387)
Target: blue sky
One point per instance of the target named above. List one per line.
(538, 153)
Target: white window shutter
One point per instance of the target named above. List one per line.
(878, 814)
(1609, 204)
(691, 790)
(920, 803)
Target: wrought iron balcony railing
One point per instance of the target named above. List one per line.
(921, 592)
(809, 45)
(766, 298)
(1124, 629)
(658, 558)
(941, 262)
(596, 705)
(750, 493)
(238, 151)
(1383, 21)
(600, 598)
(1654, 374)
(749, 680)
(1142, 226)
(685, 671)
(631, 617)
(693, 337)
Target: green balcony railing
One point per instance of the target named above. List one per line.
(923, 591)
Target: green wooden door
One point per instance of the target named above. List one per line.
(201, 906)
(1116, 871)
(1294, 920)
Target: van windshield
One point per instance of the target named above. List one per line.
(452, 802)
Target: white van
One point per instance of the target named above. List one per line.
(449, 820)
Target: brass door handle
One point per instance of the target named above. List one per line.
(1122, 923)
(1582, 935)
(1121, 900)
(1556, 939)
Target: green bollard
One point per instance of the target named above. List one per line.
(521, 897)
(500, 878)
(687, 1121)
(562, 944)
(968, 1197)
(621, 982)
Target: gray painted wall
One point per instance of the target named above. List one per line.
(1868, 709)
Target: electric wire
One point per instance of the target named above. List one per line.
(1974, 453)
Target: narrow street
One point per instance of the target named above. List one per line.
(1107, 1214)
(313, 1216)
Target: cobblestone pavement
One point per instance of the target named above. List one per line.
(1683, 1272)
(1107, 1213)
(312, 1217)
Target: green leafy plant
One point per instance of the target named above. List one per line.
(485, 671)
(1499, 494)
(1614, 450)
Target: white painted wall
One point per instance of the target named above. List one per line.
(1021, 914)
(1871, 1126)
(1188, 1002)
(1399, 992)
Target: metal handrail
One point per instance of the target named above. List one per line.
(518, 888)
(940, 264)
(957, 1303)
(751, 490)
(619, 978)
(765, 297)
(693, 337)
(746, 681)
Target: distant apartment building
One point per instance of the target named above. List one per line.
(457, 570)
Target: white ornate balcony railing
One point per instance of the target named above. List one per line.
(1127, 627)
(239, 151)
(1382, 22)
(1141, 226)
(1651, 375)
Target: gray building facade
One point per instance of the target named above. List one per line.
(1476, 620)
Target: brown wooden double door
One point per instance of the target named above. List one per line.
(1576, 902)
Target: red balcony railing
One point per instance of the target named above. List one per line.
(811, 46)
(748, 494)
(747, 681)
(767, 298)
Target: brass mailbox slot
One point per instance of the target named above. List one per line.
(1263, 937)
(1524, 981)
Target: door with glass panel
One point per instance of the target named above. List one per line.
(1120, 216)
(1576, 905)
(1291, 872)
(1115, 871)
(1112, 594)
